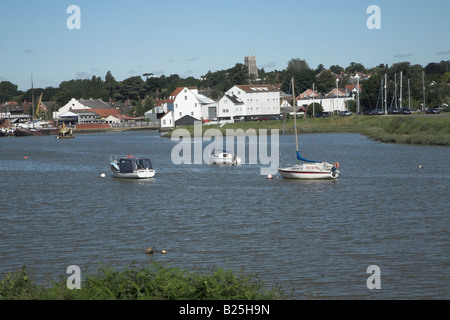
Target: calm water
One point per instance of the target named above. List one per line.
(314, 238)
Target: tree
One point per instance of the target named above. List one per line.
(336, 69)
(7, 91)
(320, 68)
(325, 82)
(313, 109)
(110, 84)
(133, 88)
(371, 92)
(297, 65)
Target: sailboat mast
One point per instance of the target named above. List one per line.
(401, 87)
(32, 99)
(385, 93)
(295, 114)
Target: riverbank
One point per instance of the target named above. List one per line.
(152, 282)
(419, 130)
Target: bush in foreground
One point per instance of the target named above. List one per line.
(152, 282)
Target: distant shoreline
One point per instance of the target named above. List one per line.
(403, 129)
(417, 129)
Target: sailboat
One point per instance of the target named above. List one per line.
(308, 169)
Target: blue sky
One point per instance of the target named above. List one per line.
(190, 38)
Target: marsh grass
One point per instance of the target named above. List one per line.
(152, 282)
(420, 130)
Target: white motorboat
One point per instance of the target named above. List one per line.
(131, 167)
(224, 157)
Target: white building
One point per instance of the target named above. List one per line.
(247, 101)
(166, 121)
(334, 101)
(80, 104)
(186, 101)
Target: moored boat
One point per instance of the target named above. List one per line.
(131, 167)
(224, 157)
(308, 169)
(65, 133)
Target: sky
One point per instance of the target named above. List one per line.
(190, 38)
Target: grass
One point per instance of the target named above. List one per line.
(420, 130)
(153, 282)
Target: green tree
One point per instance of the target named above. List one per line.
(355, 67)
(336, 69)
(7, 91)
(313, 109)
(325, 82)
(370, 92)
(111, 85)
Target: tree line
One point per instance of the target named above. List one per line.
(142, 92)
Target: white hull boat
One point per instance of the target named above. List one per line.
(322, 170)
(308, 169)
(224, 158)
(131, 167)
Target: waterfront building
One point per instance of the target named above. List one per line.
(187, 101)
(80, 104)
(246, 102)
(334, 101)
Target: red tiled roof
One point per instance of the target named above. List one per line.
(107, 112)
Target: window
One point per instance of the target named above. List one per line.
(185, 97)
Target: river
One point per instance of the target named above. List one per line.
(316, 239)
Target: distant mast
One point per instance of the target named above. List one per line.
(32, 100)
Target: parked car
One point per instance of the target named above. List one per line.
(393, 111)
(345, 113)
(374, 112)
(405, 111)
(377, 112)
(322, 114)
(433, 111)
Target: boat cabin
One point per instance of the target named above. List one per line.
(129, 164)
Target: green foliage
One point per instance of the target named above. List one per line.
(153, 282)
(17, 286)
(8, 91)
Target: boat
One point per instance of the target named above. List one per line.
(65, 133)
(131, 167)
(38, 130)
(308, 169)
(224, 157)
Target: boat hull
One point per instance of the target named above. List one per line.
(137, 174)
(319, 171)
(225, 159)
(131, 167)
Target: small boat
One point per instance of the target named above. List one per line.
(308, 169)
(131, 167)
(311, 170)
(224, 157)
(65, 133)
